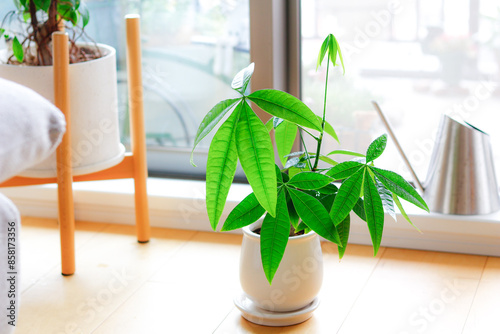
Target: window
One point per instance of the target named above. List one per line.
(417, 58)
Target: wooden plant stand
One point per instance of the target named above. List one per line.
(133, 165)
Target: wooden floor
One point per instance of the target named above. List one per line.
(184, 282)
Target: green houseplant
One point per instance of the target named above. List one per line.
(92, 79)
(302, 196)
(39, 19)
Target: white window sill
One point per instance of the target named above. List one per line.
(180, 204)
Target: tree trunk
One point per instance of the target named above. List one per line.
(43, 39)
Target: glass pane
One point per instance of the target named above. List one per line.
(191, 50)
(418, 59)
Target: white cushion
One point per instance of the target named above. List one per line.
(9, 265)
(30, 128)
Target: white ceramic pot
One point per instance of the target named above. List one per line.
(94, 111)
(297, 280)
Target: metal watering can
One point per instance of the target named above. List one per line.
(461, 176)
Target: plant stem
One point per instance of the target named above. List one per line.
(53, 20)
(320, 140)
(34, 21)
(305, 149)
(45, 35)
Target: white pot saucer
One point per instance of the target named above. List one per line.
(260, 316)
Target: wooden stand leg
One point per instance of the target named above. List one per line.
(137, 133)
(64, 172)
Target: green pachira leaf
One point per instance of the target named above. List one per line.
(403, 212)
(399, 186)
(328, 160)
(328, 189)
(285, 177)
(245, 213)
(274, 237)
(344, 228)
(330, 46)
(303, 227)
(255, 151)
(359, 209)
(347, 196)
(294, 162)
(285, 106)
(242, 79)
(331, 131)
(211, 119)
(346, 152)
(340, 56)
(344, 169)
(374, 211)
(296, 154)
(285, 135)
(314, 215)
(269, 124)
(386, 197)
(279, 175)
(322, 52)
(221, 167)
(293, 215)
(310, 181)
(327, 201)
(376, 148)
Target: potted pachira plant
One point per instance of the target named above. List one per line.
(281, 266)
(27, 31)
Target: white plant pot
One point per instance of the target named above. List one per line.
(297, 281)
(95, 138)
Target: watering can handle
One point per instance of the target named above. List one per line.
(393, 136)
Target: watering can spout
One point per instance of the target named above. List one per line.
(418, 184)
(461, 176)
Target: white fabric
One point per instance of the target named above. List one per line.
(9, 272)
(30, 128)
